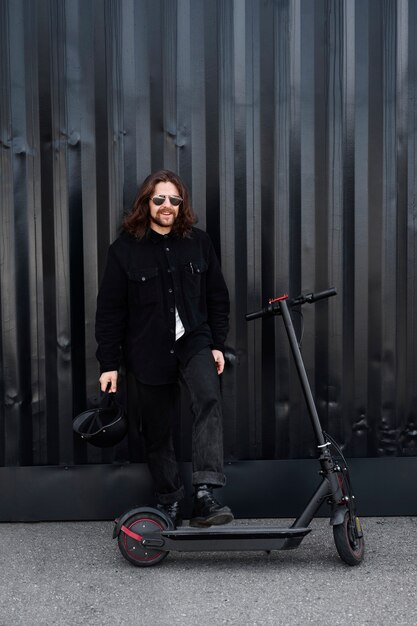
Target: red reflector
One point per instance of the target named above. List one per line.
(284, 297)
(130, 533)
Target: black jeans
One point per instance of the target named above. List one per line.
(157, 407)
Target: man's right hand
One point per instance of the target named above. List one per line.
(106, 378)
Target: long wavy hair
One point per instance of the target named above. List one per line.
(137, 221)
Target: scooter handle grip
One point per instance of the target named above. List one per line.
(261, 313)
(320, 295)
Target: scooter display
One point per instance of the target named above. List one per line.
(146, 535)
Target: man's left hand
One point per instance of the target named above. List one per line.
(219, 360)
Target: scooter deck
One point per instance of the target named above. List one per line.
(211, 539)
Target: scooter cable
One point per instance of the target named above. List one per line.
(339, 451)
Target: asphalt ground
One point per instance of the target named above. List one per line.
(72, 573)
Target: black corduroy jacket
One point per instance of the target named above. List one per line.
(144, 281)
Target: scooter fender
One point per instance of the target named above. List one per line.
(338, 516)
(138, 511)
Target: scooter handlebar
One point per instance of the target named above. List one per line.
(320, 295)
(274, 308)
(261, 313)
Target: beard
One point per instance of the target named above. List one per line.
(163, 221)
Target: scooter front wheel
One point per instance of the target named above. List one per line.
(349, 541)
(129, 539)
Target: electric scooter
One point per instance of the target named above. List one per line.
(146, 535)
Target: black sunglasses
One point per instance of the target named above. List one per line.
(174, 200)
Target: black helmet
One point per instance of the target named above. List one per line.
(104, 426)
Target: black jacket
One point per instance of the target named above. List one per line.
(143, 282)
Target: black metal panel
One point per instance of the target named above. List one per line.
(281, 488)
(293, 124)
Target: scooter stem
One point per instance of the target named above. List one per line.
(305, 385)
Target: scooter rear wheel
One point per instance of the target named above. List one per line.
(351, 548)
(132, 548)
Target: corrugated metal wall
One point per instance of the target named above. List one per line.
(294, 124)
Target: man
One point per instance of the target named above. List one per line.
(163, 301)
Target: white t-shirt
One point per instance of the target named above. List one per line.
(179, 328)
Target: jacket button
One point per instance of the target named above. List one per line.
(167, 249)
(171, 351)
(143, 278)
(169, 290)
(171, 309)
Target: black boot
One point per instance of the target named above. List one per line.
(207, 511)
(173, 511)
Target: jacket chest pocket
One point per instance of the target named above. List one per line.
(144, 285)
(193, 273)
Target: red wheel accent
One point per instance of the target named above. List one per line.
(349, 541)
(130, 539)
(131, 534)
